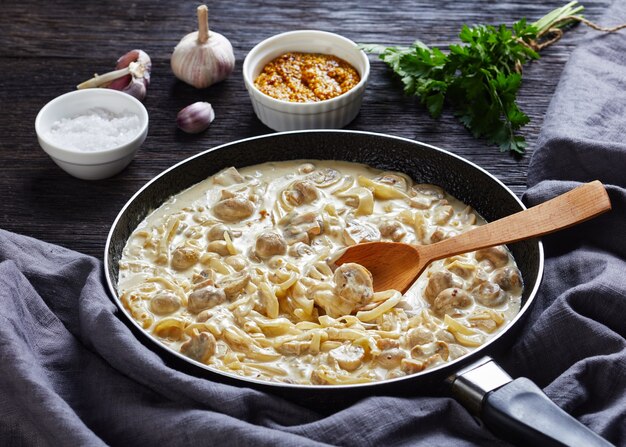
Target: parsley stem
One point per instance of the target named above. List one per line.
(554, 18)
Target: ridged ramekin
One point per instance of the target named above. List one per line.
(282, 115)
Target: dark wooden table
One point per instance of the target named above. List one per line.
(48, 48)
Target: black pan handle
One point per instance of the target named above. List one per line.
(517, 410)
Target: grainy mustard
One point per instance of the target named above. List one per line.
(306, 77)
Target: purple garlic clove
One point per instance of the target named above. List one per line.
(137, 81)
(132, 75)
(196, 117)
(140, 57)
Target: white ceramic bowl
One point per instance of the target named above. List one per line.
(98, 164)
(332, 113)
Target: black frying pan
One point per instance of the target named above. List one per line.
(517, 410)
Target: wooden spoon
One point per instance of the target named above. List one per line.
(395, 265)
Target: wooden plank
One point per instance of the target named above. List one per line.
(46, 51)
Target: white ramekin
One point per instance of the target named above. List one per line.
(93, 165)
(332, 113)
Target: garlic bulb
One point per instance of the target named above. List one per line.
(204, 57)
(196, 117)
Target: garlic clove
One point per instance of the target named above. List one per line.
(135, 88)
(132, 75)
(204, 57)
(196, 117)
(144, 68)
(137, 81)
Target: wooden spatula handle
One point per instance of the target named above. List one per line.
(575, 206)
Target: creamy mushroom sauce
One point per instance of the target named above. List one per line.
(236, 273)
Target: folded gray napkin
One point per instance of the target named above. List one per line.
(72, 372)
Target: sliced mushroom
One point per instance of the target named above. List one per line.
(387, 343)
(216, 232)
(200, 347)
(419, 336)
(348, 357)
(486, 320)
(204, 275)
(205, 315)
(449, 301)
(480, 276)
(422, 351)
(394, 180)
(462, 268)
(233, 209)
(164, 303)
(392, 230)
(485, 325)
(442, 350)
(300, 249)
(319, 375)
(233, 285)
(324, 177)
(184, 257)
(445, 335)
(205, 298)
(508, 278)
(354, 283)
(428, 190)
(269, 244)
(301, 227)
(306, 168)
(437, 282)
(419, 202)
(442, 214)
(438, 235)
(390, 358)
(433, 360)
(424, 195)
(357, 232)
(427, 351)
(497, 256)
(229, 176)
(302, 191)
(489, 294)
(456, 351)
(411, 366)
(203, 284)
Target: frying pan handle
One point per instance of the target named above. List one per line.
(525, 414)
(517, 410)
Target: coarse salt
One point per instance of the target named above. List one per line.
(94, 130)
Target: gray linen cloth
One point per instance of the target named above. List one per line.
(72, 373)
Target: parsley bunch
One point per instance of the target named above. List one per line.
(480, 78)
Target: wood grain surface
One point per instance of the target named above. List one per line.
(48, 48)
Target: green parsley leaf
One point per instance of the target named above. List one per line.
(478, 79)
